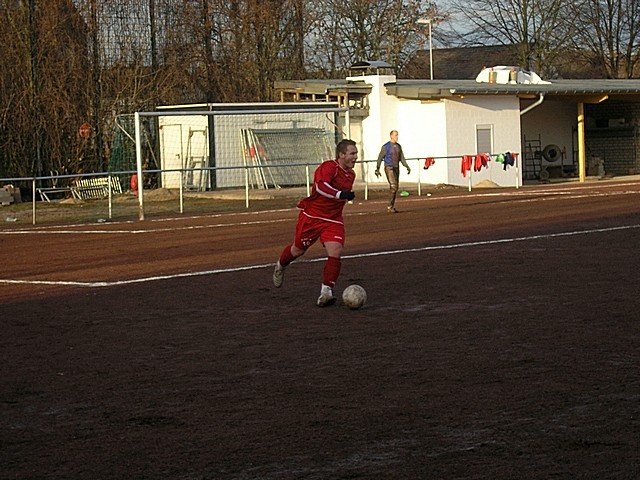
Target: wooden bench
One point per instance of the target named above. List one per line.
(95, 187)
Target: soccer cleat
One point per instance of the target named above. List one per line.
(278, 275)
(392, 210)
(326, 297)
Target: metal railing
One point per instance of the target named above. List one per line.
(56, 182)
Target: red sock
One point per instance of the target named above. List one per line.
(285, 257)
(331, 271)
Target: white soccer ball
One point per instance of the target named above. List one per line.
(354, 296)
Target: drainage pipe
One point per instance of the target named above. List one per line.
(533, 105)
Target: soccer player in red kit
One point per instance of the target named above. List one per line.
(320, 217)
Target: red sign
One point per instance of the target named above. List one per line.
(85, 130)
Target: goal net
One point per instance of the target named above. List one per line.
(237, 145)
(278, 157)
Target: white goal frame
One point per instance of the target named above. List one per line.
(228, 110)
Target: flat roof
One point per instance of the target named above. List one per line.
(209, 107)
(323, 87)
(579, 90)
(583, 90)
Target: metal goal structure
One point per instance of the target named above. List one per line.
(230, 146)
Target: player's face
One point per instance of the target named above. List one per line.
(349, 157)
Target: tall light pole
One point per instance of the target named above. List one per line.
(427, 21)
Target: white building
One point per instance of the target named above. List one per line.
(443, 129)
(564, 128)
(557, 129)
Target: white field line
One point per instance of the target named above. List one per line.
(139, 231)
(545, 195)
(361, 255)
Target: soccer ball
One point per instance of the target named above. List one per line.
(354, 296)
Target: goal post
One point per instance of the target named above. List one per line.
(251, 146)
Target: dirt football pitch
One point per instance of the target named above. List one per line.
(500, 340)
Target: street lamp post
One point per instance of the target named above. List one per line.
(427, 21)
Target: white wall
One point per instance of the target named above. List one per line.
(552, 122)
(422, 133)
(382, 118)
(502, 113)
(421, 129)
(444, 130)
(175, 146)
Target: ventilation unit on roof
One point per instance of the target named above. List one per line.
(371, 67)
(504, 74)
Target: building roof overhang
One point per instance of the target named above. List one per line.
(586, 91)
(324, 87)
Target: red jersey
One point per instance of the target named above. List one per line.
(324, 203)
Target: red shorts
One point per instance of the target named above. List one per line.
(309, 230)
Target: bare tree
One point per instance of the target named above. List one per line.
(260, 41)
(69, 62)
(346, 32)
(539, 29)
(43, 86)
(609, 36)
(17, 91)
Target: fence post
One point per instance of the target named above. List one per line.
(110, 195)
(180, 190)
(139, 166)
(33, 200)
(366, 181)
(246, 184)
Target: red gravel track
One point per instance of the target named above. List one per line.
(501, 340)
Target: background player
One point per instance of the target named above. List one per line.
(392, 155)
